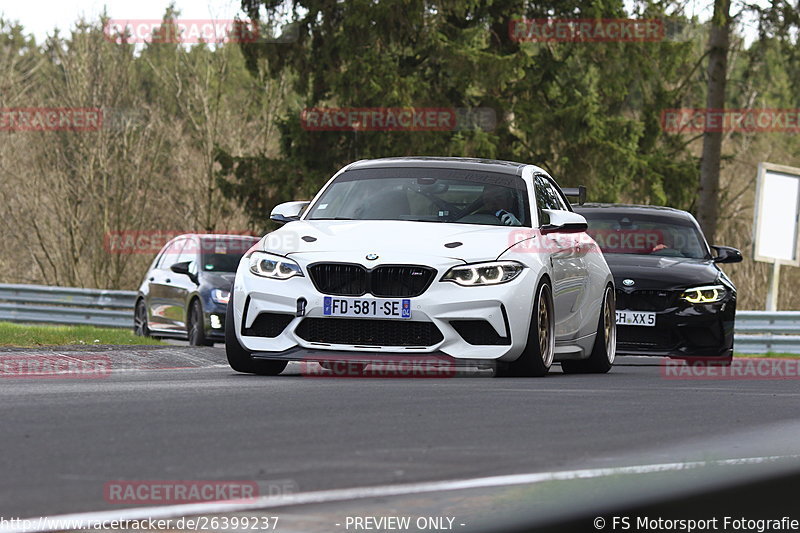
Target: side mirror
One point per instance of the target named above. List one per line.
(564, 222)
(726, 254)
(185, 269)
(287, 212)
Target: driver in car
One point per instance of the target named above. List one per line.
(498, 202)
(665, 244)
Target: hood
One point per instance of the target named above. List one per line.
(660, 272)
(218, 280)
(386, 237)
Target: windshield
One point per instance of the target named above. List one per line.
(425, 195)
(223, 254)
(625, 233)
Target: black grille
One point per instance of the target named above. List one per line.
(478, 332)
(647, 300)
(341, 279)
(400, 281)
(388, 281)
(367, 332)
(268, 325)
(643, 337)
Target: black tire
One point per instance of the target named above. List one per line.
(196, 326)
(725, 361)
(604, 350)
(239, 358)
(537, 357)
(140, 327)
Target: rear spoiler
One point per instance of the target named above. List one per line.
(576, 192)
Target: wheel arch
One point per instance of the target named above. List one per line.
(543, 277)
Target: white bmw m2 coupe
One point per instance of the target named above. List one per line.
(473, 262)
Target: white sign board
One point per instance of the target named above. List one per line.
(776, 215)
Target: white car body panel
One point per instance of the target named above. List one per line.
(579, 276)
(344, 236)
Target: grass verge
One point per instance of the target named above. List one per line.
(24, 335)
(767, 355)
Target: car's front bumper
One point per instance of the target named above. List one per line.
(505, 308)
(214, 319)
(683, 331)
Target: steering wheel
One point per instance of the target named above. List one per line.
(458, 215)
(441, 204)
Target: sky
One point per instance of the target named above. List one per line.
(40, 17)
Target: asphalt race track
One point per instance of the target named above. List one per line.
(179, 413)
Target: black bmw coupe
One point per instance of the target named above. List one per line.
(673, 299)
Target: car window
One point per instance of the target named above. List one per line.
(223, 254)
(189, 252)
(171, 254)
(425, 195)
(645, 235)
(547, 197)
(559, 198)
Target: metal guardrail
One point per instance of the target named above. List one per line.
(756, 331)
(759, 332)
(66, 305)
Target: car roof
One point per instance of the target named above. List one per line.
(226, 236)
(214, 236)
(463, 163)
(634, 209)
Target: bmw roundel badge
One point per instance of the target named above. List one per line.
(372, 257)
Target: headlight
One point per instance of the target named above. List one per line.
(704, 295)
(273, 266)
(491, 273)
(220, 296)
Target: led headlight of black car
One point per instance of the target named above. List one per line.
(706, 294)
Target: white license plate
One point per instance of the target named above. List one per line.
(366, 307)
(635, 318)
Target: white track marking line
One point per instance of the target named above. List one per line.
(83, 520)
